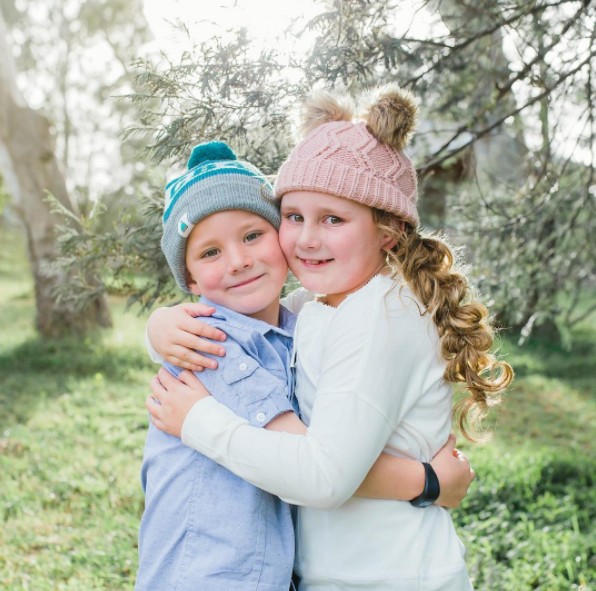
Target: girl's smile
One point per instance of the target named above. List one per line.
(332, 244)
(311, 263)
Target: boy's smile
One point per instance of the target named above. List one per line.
(234, 259)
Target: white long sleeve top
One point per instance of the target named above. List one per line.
(369, 379)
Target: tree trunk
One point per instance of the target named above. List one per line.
(30, 170)
(497, 155)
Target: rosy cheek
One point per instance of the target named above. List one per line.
(210, 280)
(286, 240)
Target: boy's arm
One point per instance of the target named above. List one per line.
(403, 479)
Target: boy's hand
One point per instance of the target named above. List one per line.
(454, 472)
(176, 335)
(172, 398)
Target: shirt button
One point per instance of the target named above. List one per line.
(261, 417)
(243, 367)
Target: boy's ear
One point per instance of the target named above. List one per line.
(192, 284)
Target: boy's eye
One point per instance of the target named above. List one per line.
(294, 217)
(252, 236)
(212, 252)
(333, 220)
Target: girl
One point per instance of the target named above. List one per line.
(374, 355)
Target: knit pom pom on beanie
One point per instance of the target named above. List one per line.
(215, 180)
(210, 151)
(354, 149)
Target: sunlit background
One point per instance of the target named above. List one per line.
(101, 100)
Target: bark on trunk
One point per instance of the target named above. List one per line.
(30, 170)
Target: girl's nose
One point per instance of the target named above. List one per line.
(308, 238)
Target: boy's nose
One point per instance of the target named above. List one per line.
(239, 260)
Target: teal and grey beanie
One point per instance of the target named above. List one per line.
(215, 181)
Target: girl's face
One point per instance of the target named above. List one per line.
(332, 244)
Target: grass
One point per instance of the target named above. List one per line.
(73, 424)
(72, 429)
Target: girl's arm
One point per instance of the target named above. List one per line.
(322, 468)
(396, 478)
(389, 478)
(174, 334)
(173, 330)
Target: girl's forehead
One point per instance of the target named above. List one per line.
(317, 201)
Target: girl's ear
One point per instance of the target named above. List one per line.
(388, 242)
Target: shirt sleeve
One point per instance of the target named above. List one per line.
(296, 299)
(361, 397)
(244, 387)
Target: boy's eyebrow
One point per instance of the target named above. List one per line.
(199, 245)
(240, 228)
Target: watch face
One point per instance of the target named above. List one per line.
(422, 503)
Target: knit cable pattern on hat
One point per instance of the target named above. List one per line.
(343, 158)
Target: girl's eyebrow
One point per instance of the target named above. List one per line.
(335, 211)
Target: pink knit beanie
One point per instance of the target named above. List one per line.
(361, 159)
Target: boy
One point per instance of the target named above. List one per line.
(203, 527)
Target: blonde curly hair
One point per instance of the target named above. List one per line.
(426, 263)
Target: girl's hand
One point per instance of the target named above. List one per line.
(454, 472)
(172, 398)
(175, 334)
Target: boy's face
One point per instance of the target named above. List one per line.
(234, 258)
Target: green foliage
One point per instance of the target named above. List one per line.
(532, 246)
(219, 89)
(127, 256)
(527, 522)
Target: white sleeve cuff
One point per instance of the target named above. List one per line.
(153, 354)
(210, 421)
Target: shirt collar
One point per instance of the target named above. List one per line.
(287, 320)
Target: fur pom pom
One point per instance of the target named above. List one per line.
(324, 107)
(391, 114)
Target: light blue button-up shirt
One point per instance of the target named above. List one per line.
(203, 528)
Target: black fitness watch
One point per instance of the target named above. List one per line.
(431, 491)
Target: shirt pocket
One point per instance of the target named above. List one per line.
(258, 396)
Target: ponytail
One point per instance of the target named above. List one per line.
(466, 336)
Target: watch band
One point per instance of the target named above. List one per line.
(432, 489)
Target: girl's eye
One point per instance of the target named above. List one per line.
(333, 220)
(296, 218)
(252, 236)
(212, 252)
